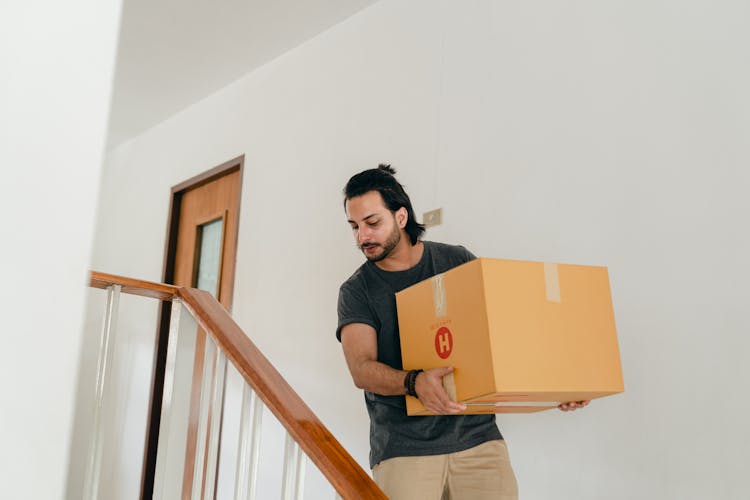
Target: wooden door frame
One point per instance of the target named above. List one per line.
(162, 335)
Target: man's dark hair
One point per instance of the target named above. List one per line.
(382, 180)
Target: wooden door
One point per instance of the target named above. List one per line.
(201, 253)
(205, 258)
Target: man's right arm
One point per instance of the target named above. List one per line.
(360, 345)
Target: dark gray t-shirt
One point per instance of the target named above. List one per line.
(368, 296)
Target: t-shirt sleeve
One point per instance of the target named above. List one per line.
(353, 308)
(466, 255)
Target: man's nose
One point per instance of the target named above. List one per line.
(362, 235)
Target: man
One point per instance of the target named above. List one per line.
(431, 457)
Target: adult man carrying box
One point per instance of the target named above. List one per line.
(431, 457)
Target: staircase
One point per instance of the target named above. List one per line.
(188, 403)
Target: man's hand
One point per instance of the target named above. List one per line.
(432, 394)
(573, 405)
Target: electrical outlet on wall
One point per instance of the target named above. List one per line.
(433, 217)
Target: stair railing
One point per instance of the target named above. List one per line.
(263, 386)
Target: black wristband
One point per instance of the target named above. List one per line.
(410, 382)
(406, 381)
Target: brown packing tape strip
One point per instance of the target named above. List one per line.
(439, 299)
(551, 282)
(450, 386)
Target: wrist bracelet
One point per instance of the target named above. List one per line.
(410, 382)
(406, 381)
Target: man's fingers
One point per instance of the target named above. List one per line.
(573, 405)
(438, 402)
(445, 409)
(456, 407)
(453, 406)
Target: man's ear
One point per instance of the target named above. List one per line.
(402, 217)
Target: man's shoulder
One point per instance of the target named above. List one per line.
(445, 250)
(357, 279)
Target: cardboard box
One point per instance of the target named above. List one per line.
(521, 336)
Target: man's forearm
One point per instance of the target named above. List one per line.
(379, 378)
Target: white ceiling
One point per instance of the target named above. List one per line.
(173, 53)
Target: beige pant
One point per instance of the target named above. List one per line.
(482, 472)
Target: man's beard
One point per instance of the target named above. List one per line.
(391, 243)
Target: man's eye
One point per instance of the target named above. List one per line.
(373, 224)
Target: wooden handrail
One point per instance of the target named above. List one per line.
(134, 287)
(334, 462)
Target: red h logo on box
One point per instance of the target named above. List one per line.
(443, 342)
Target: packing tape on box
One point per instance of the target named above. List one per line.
(450, 386)
(551, 282)
(438, 296)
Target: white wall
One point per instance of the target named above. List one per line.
(591, 132)
(56, 61)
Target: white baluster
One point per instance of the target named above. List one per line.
(287, 476)
(299, 476)
(215, 418)
(292, 486)
(104, 363)
(165, 426)
(249, 448)
(200, 448)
